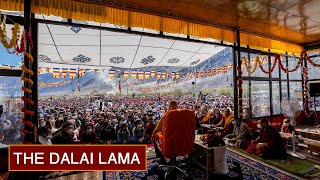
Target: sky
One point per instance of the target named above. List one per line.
(7, 58)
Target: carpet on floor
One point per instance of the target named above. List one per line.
(240, 167)
(295, 166)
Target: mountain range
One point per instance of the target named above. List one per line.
(101, 83)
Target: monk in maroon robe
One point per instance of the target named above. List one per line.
(269, 144)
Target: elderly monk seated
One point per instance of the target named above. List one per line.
(269, 144)
(241, 135)
(172, 106)
(177, 135)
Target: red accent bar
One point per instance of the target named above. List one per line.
(77, 158)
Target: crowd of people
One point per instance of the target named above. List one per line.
(105, 119)
(109, 120)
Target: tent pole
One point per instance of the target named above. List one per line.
(235, 84)
(34, 68)
(239, 97)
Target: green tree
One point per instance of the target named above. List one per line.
(224, 91)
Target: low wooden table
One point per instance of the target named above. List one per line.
(313, 145)
(203, 155)
(308, 132)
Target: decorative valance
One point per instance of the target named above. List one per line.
(71, 9)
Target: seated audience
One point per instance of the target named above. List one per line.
(131, 123)
(65, 136)
(45, 135)
(99, 126)
(241, 135)
(108, 134)
(123, 134)
(88, 136)
(216, 118)
(269, 144)
(138, 133)
(207, 118)
(286, 127)
(150, 127)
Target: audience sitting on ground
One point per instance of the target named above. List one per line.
(241, 136)
(88, 136)
(269, 144)
(216, 117)
(65, 136)
(149, 129)
(108, 134)
(124, 134)
(286, 127)
(45, 135)
(138, 133)
(71, 117)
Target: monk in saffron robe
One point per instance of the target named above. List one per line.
(269, 144)
(226, 122)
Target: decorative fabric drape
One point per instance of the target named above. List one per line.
(72, 9)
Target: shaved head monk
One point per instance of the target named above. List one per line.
(172, 106)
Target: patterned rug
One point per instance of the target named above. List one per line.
(252, 169)
(288, 169)
(240, 167)
(154, 172)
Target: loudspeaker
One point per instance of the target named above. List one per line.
(314, 89)
(192, 83)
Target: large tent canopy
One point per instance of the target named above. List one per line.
(84, 46)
